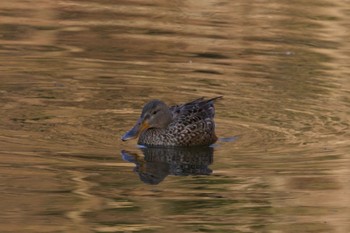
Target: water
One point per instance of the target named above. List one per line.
(75, 75)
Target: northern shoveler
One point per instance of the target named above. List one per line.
(189, 124)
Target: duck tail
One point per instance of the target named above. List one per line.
(213, 99)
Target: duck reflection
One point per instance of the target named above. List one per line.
(157, 163)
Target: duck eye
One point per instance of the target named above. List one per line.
(155, 112)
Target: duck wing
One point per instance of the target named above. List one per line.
(195, 108)
(193, 122)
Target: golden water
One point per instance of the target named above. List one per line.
(76, 73)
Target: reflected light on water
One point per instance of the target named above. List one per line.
(75, 75)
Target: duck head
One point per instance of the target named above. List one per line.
(155, 114)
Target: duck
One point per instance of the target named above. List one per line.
(183, 125)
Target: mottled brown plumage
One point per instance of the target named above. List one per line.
(189, 124)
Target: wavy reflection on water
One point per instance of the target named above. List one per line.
(75, 73)
(157, 162)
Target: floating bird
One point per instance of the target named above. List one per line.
(189, 124)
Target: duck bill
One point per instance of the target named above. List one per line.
(139, 127)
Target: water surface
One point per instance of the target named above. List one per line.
(75, 75)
